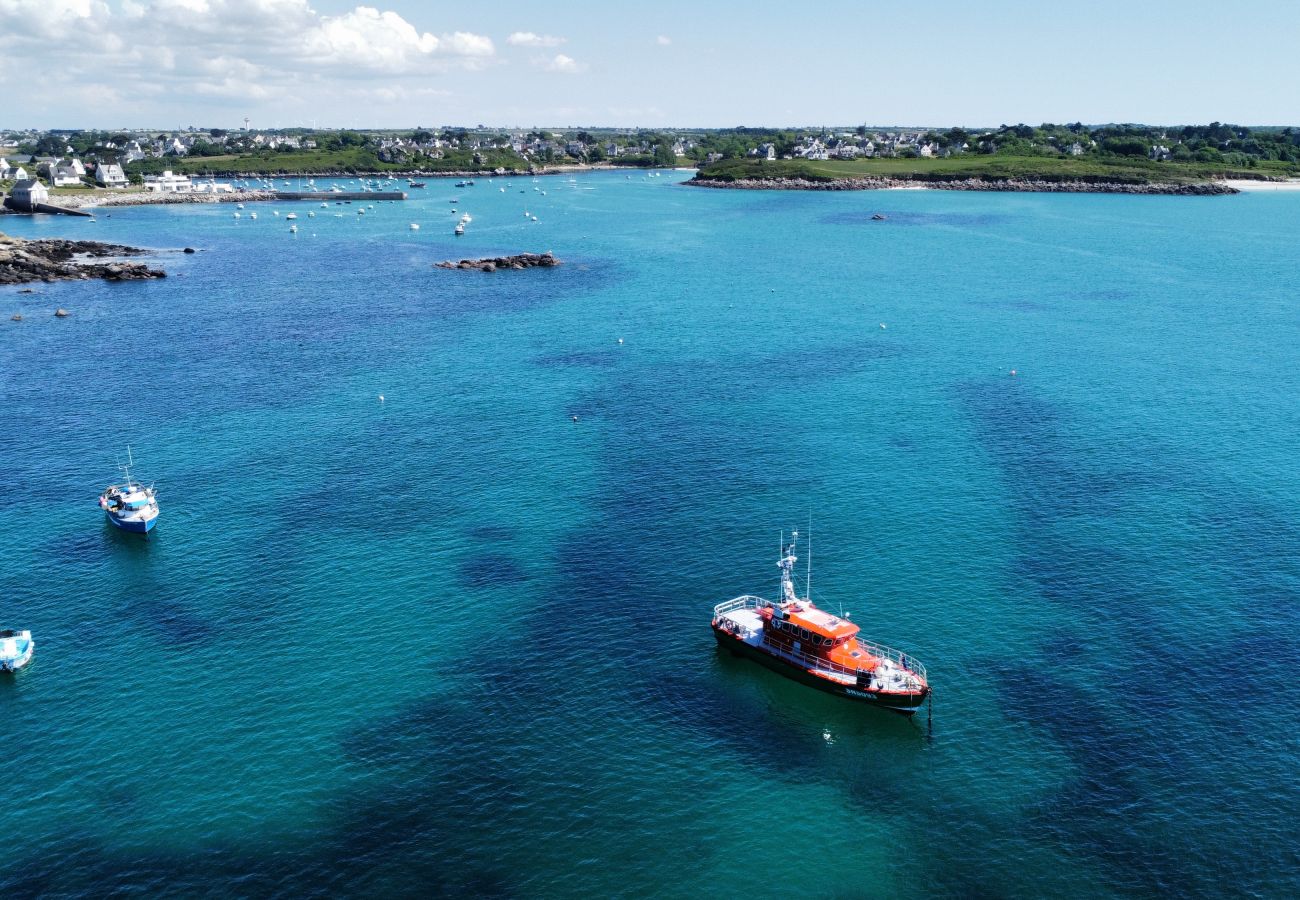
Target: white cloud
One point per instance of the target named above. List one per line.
(566, 65)
(49, 19)
(223, 50)
(367, 38)
(462, 43)
(663, 40)
(529, 39)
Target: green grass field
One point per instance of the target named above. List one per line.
(1123, 170)
(351, 159)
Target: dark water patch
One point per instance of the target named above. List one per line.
(1052, 474)
(1101, 295)
(89, 545)
(1114, 761)
(491, 569)
(912, 219)
(1015, 304)
(173, 622)
(493, 533)
(591, 359)
(84, 868)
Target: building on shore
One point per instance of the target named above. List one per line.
(110, 175)
(168, 183)
(27, 194)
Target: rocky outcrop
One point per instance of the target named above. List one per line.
(23, 261)
(966, 184)
(491, 264)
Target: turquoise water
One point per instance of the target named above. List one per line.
(456, 641)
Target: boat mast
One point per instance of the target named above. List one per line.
(808, 582)
(786, 562)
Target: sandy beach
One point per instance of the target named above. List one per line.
(1243, 184)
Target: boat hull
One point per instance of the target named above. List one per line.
(135, 526)
(905, 703)
(13, 664)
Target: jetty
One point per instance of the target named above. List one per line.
(340, 195)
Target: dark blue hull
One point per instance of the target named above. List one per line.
(133, 527)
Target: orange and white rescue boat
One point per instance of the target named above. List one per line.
(811, 645)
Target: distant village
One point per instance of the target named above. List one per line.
(192, 160)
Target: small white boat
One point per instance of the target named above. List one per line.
(293, 228)
(130, 505)
(292, 216)
(239, 206)
(324, 206)
(252, 215)
(16, 648)
(312, 214)
(414, 227)
(460, 229)
(236, 215)
(466, 219)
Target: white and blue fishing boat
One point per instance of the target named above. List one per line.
(130, 505)
(16, 648)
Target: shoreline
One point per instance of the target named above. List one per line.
(1209, 188)
(111, 197)
(1249, 186)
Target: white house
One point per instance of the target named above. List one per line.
(168, 183)
(110, 175)
(175, 148)
(18, 174)
(5, 169)
(66, 175)
(26, 194)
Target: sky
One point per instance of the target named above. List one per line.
(717, 63)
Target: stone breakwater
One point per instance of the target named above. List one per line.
(491, 264)
(23, 261)
(965, 184)
(145, 198)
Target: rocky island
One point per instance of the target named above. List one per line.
(53, 259)
(985, 183)
(493, 263)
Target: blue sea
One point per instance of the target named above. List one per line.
(450, 641)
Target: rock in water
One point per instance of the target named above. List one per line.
(61, 313)
(54, 259)
(491, 264)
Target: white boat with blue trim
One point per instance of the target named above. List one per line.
(130, 505)
(16, 649)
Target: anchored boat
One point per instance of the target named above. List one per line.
(811, 645)
(130, 505)
(16, 648)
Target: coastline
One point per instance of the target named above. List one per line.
(1250, 186)
(111, 197)
(972, 184)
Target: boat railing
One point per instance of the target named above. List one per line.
(814, 661)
